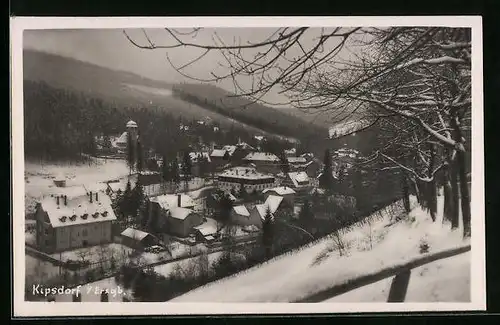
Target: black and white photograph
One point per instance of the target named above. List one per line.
(247, 165)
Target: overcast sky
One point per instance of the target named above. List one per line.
(110, 48)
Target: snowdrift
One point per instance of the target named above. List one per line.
(370, 246)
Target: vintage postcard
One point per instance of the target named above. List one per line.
(237, 165)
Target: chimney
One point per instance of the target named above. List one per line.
(90, 196)
(96, 196)
(57, 199)
(179, 199)
(65, 200)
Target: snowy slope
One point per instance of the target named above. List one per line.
(310, 270)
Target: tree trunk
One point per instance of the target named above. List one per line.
(455, 195)
(406, 192)
(431, 186)
(462, 173)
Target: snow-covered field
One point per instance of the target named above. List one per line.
(444, 280)
(38, 177)
(370, 247)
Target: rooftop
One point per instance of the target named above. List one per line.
(261, 156)
(78, 209)
(180, 213)
(244, 173)
(272, 202)
(218, 153)
(134, 233)
(296, 160)
(209, 227)
(197, 155)
(282, 190)
(298, 177)
(168, 201)
(131, 124)
(241, 210)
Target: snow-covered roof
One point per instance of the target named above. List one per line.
(296, 160)
(131, 124)
(282, 190)
(245, 145)
(261, 156)
(180, 213)
(272, 202)
(230, 149)
(78, 210)
(95, 187)
(209, 227)
(218, 153)
(291, 151)
(134, 233)
(122, 138)
(196, 155)
(298, 177)
(168, 201)
(244, 173)
(258, 137)
(241, 210)
(250, 228)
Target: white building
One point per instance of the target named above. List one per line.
(234, 178)
(73, 220)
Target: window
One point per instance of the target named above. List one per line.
(47, 242)
(84, 232)
(46, 231)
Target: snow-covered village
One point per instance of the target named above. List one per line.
(179, 180)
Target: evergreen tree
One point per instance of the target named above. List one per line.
(174, 171)
(306, 214)
(166, 171)
(138, 203)
(326, 179)
(140, 156)
(187, 165)
(243, 192)
(268, 233)
(204, 166)
(285, 167)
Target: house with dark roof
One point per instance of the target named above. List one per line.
(73, 219)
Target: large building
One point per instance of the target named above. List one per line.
(232, 179)
(66, 221)
(263, 161)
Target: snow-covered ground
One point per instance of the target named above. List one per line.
(38, 177)
(444, 280)
(370, 247)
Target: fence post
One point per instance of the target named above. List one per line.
(399, 286)
(104, 296)
(77, 297)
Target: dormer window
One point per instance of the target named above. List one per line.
(105, 214)
(84, 216)
(73, 217)
(95, 215)
(63, 219)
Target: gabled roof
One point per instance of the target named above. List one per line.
(272, 202)
(298, 177)
(218, 153)
(241, 210)
(134, 233)
(78, 210)
(282, 190)
(261, 156)
(180, 213)
(209, 227)
(296, 160)
(169, 201)
(230, 149)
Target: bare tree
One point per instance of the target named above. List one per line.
(417, 77)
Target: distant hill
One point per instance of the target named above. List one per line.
(256, 114)
(125, 89)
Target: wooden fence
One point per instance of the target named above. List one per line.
(399, 285)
